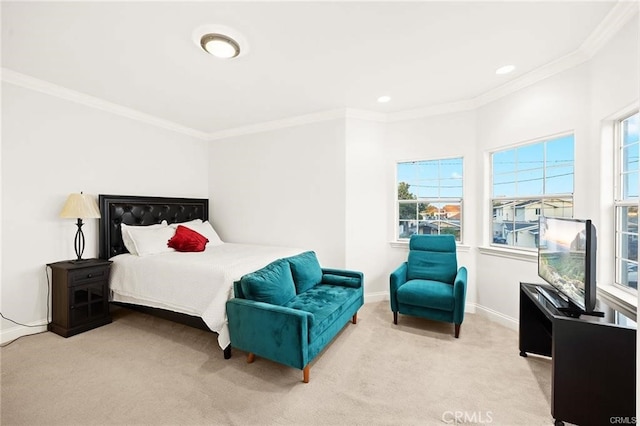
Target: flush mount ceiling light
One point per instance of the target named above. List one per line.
(505, 69)
(220, 46)
(384, 99)
(220, 41)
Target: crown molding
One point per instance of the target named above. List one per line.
(363, 114)
(539, 74)
(451, 107)
(300, 120)
(278, 124)
(617, 17)
(32, 83)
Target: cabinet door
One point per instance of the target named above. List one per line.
(594, 370)
(98, 303)
(87, 302)
(78, 305)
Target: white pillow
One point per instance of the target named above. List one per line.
(126, 236)
(151, 240)
(203, 228)
(211, 234)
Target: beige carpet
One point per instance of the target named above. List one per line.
(144, 370)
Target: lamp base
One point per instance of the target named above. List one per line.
(78, 242)
(80, 260)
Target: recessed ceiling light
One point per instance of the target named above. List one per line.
(505, 69)
(220, 45)
(384, 99)
(220, 41)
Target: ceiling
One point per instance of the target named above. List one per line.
(303, 58)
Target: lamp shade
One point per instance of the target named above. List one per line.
(80, 206)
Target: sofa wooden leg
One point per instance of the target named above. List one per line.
(354, 319)
(305, 374)
(395, 318)
(251, 357)
(457, 330)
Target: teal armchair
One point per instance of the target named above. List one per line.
(430, 284)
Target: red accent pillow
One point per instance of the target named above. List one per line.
(186, 239)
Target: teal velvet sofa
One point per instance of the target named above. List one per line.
(291, 309)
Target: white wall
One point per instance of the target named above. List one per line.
(556, 105)
(576, 100)
(327, 186)
(284, 187)
(52, 147)
(330, 187)
(247, 174)
(373, 151)
(611, 97)
(369, 191)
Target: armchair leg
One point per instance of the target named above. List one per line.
(305, 374)
(354, 319)
(457, 330)
(251, 357)
(395, 318)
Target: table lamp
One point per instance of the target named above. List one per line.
(80, 206)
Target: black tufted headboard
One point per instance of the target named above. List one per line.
(134, 210)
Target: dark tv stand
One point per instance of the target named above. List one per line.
(593, 360)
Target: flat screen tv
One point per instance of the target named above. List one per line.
(567, 260)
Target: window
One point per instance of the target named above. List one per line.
(626, 202)
(430, 198)
(529, 181)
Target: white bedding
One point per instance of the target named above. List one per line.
(197, 284)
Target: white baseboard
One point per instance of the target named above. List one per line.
(17, 331)
(471, 308)
(496, 316)
(376, 297)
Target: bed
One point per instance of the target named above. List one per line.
(187, 287)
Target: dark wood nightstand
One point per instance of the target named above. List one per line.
(79, 296)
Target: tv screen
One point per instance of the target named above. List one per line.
(567, 259)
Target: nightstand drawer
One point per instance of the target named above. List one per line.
(87, 275)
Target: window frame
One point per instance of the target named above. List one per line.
(528, 197)
(428, 200)
(620, 203)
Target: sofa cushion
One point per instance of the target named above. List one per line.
(325, 303)
(306, 270)
(432, 257)
(435, 266)
(342, 280)
(272, 284)
(427, 293)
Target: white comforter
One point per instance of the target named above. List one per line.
(197, 284)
